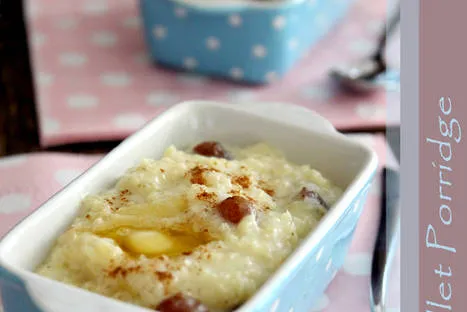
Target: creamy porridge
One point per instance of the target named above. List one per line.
(193, 231)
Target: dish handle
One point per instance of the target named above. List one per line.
(291, 114)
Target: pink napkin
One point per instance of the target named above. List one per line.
(34, 178)
(93, 80)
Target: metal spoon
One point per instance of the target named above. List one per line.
(385, 246)
(362, 76)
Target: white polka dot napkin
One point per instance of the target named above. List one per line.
(34, 178)
(93, 79)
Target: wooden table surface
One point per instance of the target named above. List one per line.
(18, 122)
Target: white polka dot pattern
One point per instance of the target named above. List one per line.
(213, 43)
(116, 79)
(104, 38)
(129, 121)
(132, 22)
(95, 7)
(237, 96)
(77, 43)
(160, 32)
(73, 59)
(317, 93)
(190, 63)
(82, 101)
(192, 80)
(45, 79)
(14, 203)
(259, 51)
(279, 22)
(38, 39)
(65, 176)
(361, 46)
(321, 304)
(50, 126)
(358, 264)
(161, 98)
(236, 73)
(12, 161)
(235, 20)
(67, 23)
(180, 12)
(141, 58)
(293, 43)
(271, 76)
(371, 111)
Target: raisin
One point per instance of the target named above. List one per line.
(181, 303)
(212, 149)
(307, 193)
(235, 208)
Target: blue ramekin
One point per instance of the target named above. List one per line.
(250, 41)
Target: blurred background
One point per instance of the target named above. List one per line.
(80, 72)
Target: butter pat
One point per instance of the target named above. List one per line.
(149, 243)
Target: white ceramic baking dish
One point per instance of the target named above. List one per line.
(305, 137)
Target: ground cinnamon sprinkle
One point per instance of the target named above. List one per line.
(206, 196)
(118, 271)
(234, 192)
(265, 188)
(243, 181)
(250, 198)
(122, 271)
(164, 276)
(197, 174)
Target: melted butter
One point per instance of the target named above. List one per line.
(149, 241)
(170, 207)
(153, 243)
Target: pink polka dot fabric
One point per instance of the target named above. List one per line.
(34, 178)
(94, 82)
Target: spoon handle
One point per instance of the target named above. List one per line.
(389, 28)
(386, 238)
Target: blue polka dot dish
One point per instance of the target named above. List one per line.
(243, 40)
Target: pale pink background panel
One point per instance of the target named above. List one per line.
(25, 190)
(94, 81)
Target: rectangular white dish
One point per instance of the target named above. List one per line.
(305, 137)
